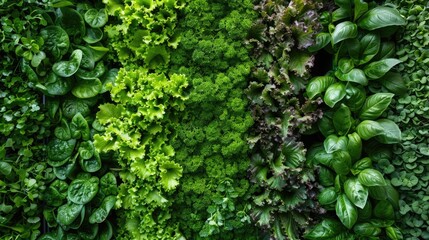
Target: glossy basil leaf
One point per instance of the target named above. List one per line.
(361, 7)
(87, 61)
(93, 35)
(86, 150)
(354, 146)
(87, 88)
(338, 183)
(327, 228)
(370, 45)
(71, 21)
(108, 80)
(375, 105)
(59, 151)
(344, 30)
(335, 93)
(366, 230)
(387, 50)
(394, 233)
(365, 213)
(341, 162)
(392, 195)
(56, 85)
(318, 85)
(342, 120)
(368, 129)
(62, 131)
(82, 191)
(327, 196)
(380, 17)
(355, 97)
(79, 127)
(378, 69)
(100, 214)
(108, 184)
(341, 13)
(5, 168)
(355, 75)
(96, 18)
(68, 212)
(382, 223)
(68, 68)
(323, 157)
(92, 164)
(345, 65)
(88, 231)
(333, 143)
(56, 41)
(384, 210)
(394, 83)
(326, 177)
(360, 165)
(326, 125)
(391, 133)
(370, 177)
(322, 39)
(97, 72)
(56, 194)
(346, 211)
(356, 192)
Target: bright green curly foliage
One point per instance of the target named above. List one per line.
(23, 124)
(212, 198)
(285, 200)
(144, 31)
(139, 125)
(410, 166)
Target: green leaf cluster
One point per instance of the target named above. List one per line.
(355, 90)
(408, 168)
(139, 126)
(143, 32)
(285, 199)
(212, 200)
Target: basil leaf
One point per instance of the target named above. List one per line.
(346, 211)
(379, 68)
(322, 39)
(360, 165)
(5, 168)
(341, 13)
(354, 75)
(355, 97)
(82, 191)
(96, 19)
(380, 17)
(327, 228)
(366, 230)
(387, 50)
(318, 85)
(326, 125)
(68, 68)
(341, 162)
(342, 120)
(344, 30)
(394, 83)
(370, 45)
(375, 105)
(368, 129)
(326, 177)
(335, 93)
(327, 196)
(360, 8)
(345, 65)
(356, 192)
(68, 212)
(370, 177)
(393, 233)
(354, 146)
(391, 133)
(333, 143)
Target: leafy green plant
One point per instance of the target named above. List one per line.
(408, 166)
(354, 189)
(285, 201)
(212, 200)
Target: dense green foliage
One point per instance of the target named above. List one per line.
(212, 200)
(409, 167)
(281, 36)
(354, 133)
(23, 124)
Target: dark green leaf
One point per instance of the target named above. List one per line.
(327, 196)
(344, 30)
(341, 162)
(335, 93)
(333, 143)
(92, 164)
(391, 133)
(59, 151)
(62, 131)
(370, 45)
(394, 233)
(71, 21)
(342, 120)
(318, 85)
(322, 39)
(326, 229)
(82, 191)
(100, 214)
(354, 146)
(87, 88)
(68, 212)
(355, 97)
(370, 177)
(384, 210)
(360, 8)
(96, 19)
(366, 230)
(356, 192)
(56, 41)
(56, 85)
(379, 68)
(345, 65)
(368, 129)
(375, 105)
(346, 211)
(394, 83)
(355, 75)
(79, 127)
(68, 68)
(93, 35)
(5, 168)
(380, 17)
(362, 164)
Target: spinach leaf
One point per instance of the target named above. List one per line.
(83, 189)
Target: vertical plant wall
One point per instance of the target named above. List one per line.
(409, 166)
(285, 199)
